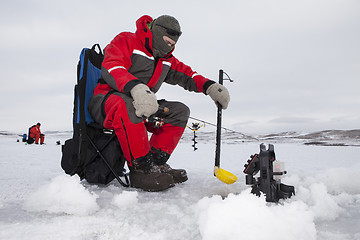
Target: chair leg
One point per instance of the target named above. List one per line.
(127, 184)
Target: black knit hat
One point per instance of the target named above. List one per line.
(164, 26)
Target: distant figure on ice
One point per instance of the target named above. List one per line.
(35, 134)
(134, 68)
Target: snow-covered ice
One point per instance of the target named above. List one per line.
(39, 201)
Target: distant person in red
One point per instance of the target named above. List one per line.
(35, 133)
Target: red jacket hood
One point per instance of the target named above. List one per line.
(145, 34)
(142, 22)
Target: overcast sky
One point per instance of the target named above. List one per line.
(295, 64)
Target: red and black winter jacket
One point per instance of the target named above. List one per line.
(129, 61)
(34, 130)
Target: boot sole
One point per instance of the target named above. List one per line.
(160, 186)
(154, 190)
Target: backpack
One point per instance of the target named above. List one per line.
(94, 153)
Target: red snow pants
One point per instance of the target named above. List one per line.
(132, 131)
(38, 136)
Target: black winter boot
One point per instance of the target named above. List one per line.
(160, 158)
(148, 177)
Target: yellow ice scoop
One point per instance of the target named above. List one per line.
(223, 175)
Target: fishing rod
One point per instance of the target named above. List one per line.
(226, 129)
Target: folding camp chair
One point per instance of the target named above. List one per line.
(30, 140)
(94, 153)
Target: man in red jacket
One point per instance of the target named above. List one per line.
(134, 68)
(35, 133)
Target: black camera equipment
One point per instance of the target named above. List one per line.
(270, 172)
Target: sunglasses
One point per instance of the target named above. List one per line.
(170, 31)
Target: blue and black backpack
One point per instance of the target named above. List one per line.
(94, 153)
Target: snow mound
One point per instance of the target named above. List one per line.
(339, 180)
(64, 194)
(251, 217)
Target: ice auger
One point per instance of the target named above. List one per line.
(195, 127)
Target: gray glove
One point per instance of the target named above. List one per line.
(145, 102)
(219, 94)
